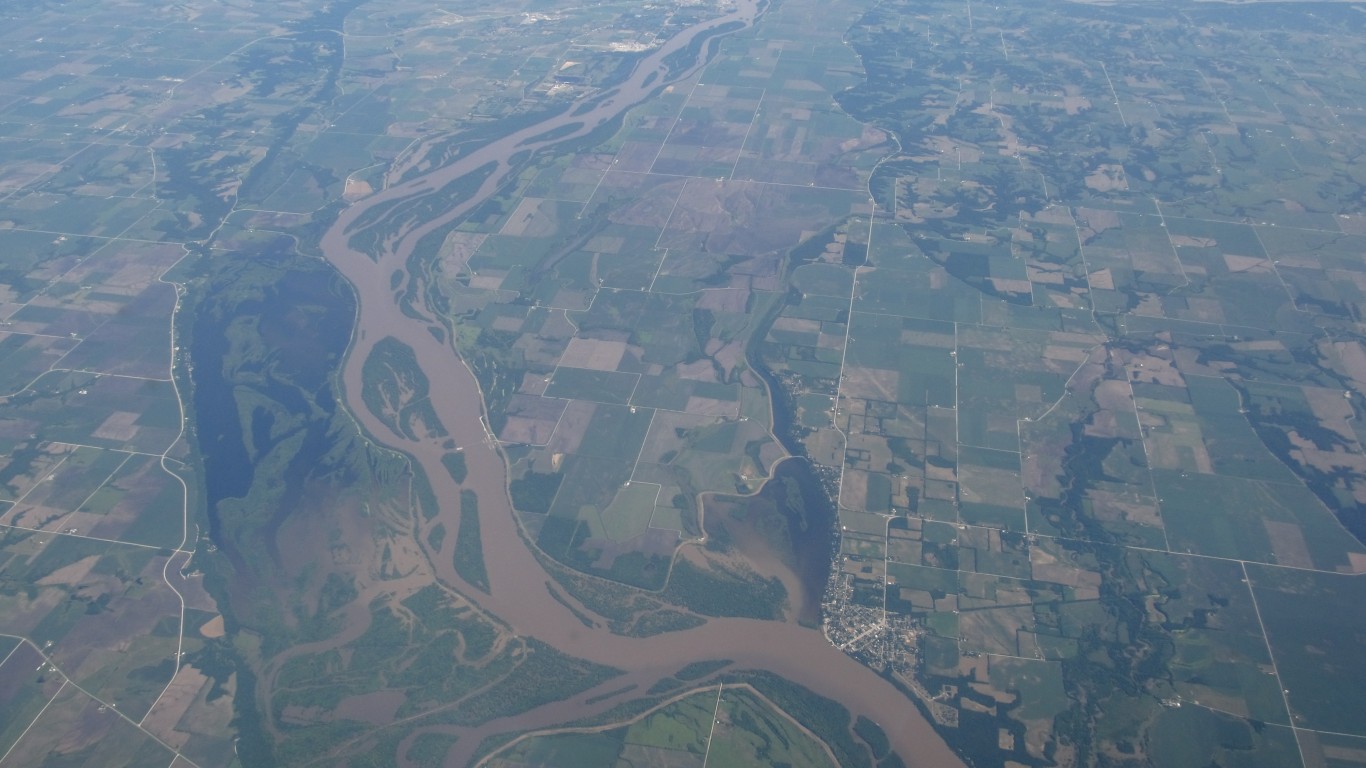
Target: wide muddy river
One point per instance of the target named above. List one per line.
(519, 595)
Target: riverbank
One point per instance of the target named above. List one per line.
(516, 596)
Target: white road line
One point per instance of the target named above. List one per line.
(35, 719)
(1285, 699)
(11, 653)
(715, 711)
(92, 538)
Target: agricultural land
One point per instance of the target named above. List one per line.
(730, 382)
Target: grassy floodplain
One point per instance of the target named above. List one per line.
(734, 726)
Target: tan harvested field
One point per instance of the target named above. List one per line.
(1288, 545)
(594, 354)
(870, 383)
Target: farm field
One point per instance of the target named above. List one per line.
(210, 558)
(733, 726)
(1083, 360)
(726, 382)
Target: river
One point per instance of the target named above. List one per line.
(518, 593)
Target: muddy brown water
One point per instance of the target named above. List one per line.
(519, 595)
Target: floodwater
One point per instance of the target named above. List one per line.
(519, 595)
(785, 530)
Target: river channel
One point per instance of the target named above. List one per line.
(519, 595)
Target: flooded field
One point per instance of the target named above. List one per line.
(519, 595)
